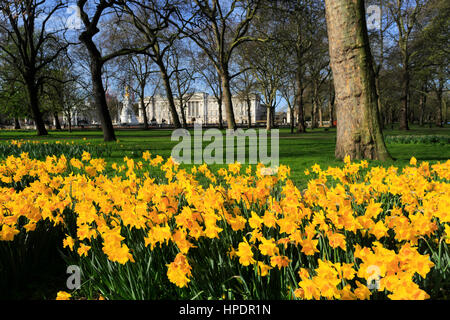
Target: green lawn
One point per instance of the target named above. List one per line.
(299, 151)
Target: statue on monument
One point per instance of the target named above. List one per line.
(127, 115)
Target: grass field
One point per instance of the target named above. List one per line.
(298, 151)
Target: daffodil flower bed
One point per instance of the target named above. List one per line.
(152, 230)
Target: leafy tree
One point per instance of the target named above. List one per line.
(30, 45)
(98, 60)
(218, 28)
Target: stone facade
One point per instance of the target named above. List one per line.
(202, 108)
(79, 117)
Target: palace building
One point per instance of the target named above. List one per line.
(203, 108)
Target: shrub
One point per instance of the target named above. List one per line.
(411, 139)
(41, 150)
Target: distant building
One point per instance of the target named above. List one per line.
(288, 116)
(326, 123)
(202, 108)
(280, 118)
(81, 116)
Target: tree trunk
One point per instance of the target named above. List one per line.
(16, 123)
(439, 110)
(144, 112)
(404, 97)
(387, 118)
(444, 111)
(422, 104)
(331, 106)
(301, 127)
(34, 106)
(101, 106)
(183, 113)
(69, 119)
(291, 110)
(172, 108)
(219, 102)
(320, 116)
(358, 130)
(225, 81)
(100, 100)
(143, 106)
(380, 111)
(249, 113)
(272, 118)
(391, 118)
(269, 117)
(313, 113)
(57, 123)
(411, 114)
(439, 107)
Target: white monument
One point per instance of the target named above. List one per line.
(127, 114)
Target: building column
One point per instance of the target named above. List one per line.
(153, 110)
(140, 113)
(205, 108)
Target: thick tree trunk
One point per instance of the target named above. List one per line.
(144, 111)
(225, 81)
(358, 130)
(57, 123)
(101, 106)
(100, 100)
(34, 106)
(16, 123)
(70, 124)
(172, 108)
